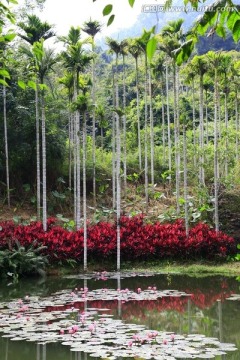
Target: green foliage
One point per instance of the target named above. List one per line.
(237, 257)
(107, 9)
(199, 209)
(151, 47)
(222, 15)
(103, 165)
(110, 20)
(17, 261)
(68, 224)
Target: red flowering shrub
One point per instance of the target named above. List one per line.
(139, 240)
(102, 240)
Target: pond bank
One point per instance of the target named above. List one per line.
(197, 269)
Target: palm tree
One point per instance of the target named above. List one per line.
(67, 82)
(45, 61)
(158, 70)
(6, 142)
(207, 85)
(92, 28)
(200, 66)
(214, 61)
(35, 30)
(225, 67)
(135, 50)
(75, 60)
(235, 72)
(170, 40)
(190, 79)
(185, 180)
(168, 124)
(142, 42)
(116, 49)
(3, 80)
(82, 104)
(123, 52)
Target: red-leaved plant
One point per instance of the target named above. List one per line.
(139, 240)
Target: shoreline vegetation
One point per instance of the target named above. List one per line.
(26, 249)
(196, 269)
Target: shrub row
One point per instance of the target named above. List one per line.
(139, 240)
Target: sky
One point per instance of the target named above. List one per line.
(63, 14)
(66, 13)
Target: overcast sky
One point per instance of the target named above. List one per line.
(75, 12)
(66, 13)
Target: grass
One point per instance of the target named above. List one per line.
(200, 270)
(196, 269)
(189, 268)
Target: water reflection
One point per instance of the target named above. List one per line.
(41, 352)
(206, 312)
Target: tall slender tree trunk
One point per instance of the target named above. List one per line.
(77, 183)
(114, 146)
(219, 117)
(168, 127)
(163, 127)
(138, 118)
(38, 151)
(78, 171)
(237, 123)
(70, 137)
(75, 166)
(201, 134)
(118, 172)
(102, 137)
(206, 117)
(44, 165)
(176, 136)
(84, 143)
(94, 130)
(124, 132)
(146, 133)
(216, 164)
(194, 125)
(185, 182)
(151, 127)
(226, 133)
(6, 143)
(118, 200)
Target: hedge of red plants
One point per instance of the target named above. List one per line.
(139, 240)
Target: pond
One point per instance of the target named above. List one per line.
(133, 315)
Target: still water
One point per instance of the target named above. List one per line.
(207, 311)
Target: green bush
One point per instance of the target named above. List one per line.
(18, 260)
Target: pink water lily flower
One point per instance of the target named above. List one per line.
(23, 308)
(91, 328)
(75, 328)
